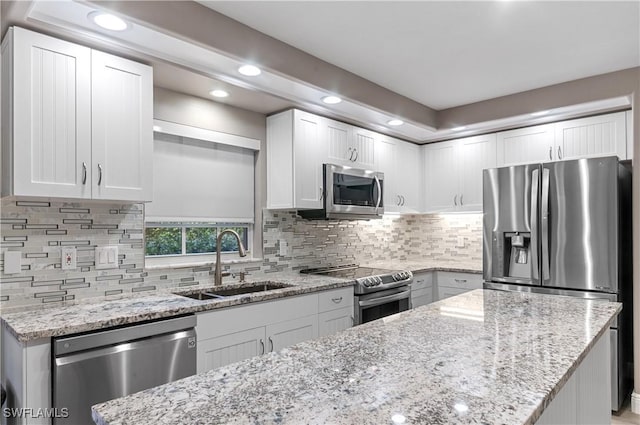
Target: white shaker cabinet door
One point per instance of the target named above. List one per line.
(284, 334)
(408, 176)
(338, 139)
(309, 151)
(601, 135)
(386, 158)
(122, 112)
(51, 116)
(526, 145)
(441, 177)
(363, 142)
(223, 350)
(476, 154)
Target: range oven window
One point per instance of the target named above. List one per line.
(373, 313)
(355, 190)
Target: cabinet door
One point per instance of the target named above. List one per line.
(334, 321)
(337, 136)
(386, 158)
(122, 118)
(363, 141)
(51, 116)
(526, 145)
(421, 298)
(441, 177)
(475, 154)
(308, 156)
(291, 332)
(601, 135)
(231, 348)
(408, 171)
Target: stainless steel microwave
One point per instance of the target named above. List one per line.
(349, 193)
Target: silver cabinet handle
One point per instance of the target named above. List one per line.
(461, 203)
(350, 154)
(356, 158)
(455, 200)
(336, 299)
(271, 343)
(399, 200)
(321, 194)
(550, 152)
(99, 174)
(559, 153)
(262, 345)
(461, 280)
(353, 321)
(84, 173)
(402, 201)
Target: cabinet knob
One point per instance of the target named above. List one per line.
(559, 153)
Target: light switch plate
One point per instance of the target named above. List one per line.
(12, 262)
(106, 257)
(68, 257)
(284, 248)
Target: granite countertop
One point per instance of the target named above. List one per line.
(419, 265)
(485, 356)
(75, 317)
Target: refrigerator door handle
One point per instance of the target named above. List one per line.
(535, 265)
(544, 224)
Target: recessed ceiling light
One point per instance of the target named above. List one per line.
(108, 21)
(218, 93)
(539, 113)
(462, 127)
(395, 122)
(249, 70)
(331, 100)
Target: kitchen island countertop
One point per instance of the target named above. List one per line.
(481, 357)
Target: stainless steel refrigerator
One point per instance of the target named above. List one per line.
(564, 228)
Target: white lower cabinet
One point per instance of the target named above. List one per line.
(450, 284)
(422, 289)
(237, 333)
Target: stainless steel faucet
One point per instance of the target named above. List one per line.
(241, 252)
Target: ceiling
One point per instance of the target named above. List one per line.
(446, 54)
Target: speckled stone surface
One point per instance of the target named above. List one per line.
(428, 265)
(31, 324)
(484, 357)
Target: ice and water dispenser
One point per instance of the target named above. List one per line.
(512, 255)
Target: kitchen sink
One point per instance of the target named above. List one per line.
(222, 292)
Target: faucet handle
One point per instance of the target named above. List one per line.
(241, 274)
(225, 274)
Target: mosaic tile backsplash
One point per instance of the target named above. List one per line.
(40, 229)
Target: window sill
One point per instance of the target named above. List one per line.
(174, 263)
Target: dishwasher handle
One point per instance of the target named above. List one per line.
(72, 344)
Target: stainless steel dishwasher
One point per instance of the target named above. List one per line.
(100, 366)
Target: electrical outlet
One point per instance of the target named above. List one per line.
(68, 256)
(106, 257)
(460, 243)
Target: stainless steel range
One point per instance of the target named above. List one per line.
(378, 292)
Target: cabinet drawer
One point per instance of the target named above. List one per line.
(332, 300)
(460, 280)
(422, 280)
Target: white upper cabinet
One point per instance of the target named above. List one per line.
(363, 142)
(600, 135)
(453, 173)
(400, 163)
(296, 150)
(526, 145)
(338, 139)
(475, 154)
(122, 110)
(73, 112)
(49, 101)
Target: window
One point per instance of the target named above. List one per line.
(191, 238)
(203, 184)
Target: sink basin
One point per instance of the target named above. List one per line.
(222, 292)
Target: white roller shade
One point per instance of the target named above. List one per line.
(196, 180)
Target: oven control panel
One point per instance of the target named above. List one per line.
(401, 276)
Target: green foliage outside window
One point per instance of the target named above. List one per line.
(198, 240)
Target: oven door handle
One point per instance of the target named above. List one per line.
(383, 300)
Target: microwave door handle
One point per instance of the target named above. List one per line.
(535, 265)
(377, 180)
